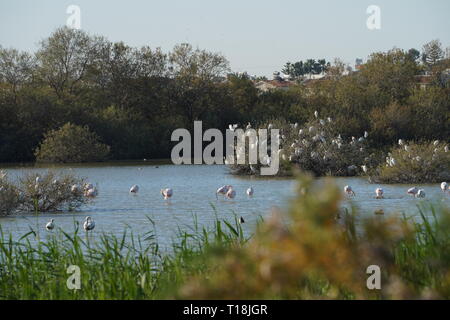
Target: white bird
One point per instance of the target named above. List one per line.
(349, 190)
(91, 193)
(167, 193)
(316, 114)
(412, 191)
(420, 194)
(88, 224)
(74, 188)
(436, 142)
(134, 189)
(364, 168)
(400, 142)
(50, 225)
(379, 193)
(250, 191)
(223, 190)
(88, 186)
(366, 134)
(444, 186)
(230, 193)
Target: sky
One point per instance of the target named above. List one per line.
(256, 36)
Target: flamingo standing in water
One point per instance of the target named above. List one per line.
(134, 189)
(50, 225)
(88, 224)
(412, 191)
(230, 193)
(223, 190)
(250, 191)
(420, 194)
(167, 193)
(379, 193)
(348, 190)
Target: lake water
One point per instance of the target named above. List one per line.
(115, 209)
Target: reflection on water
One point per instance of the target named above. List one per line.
(194, 194)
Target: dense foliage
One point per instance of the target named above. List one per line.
(133, 98)
(415, 163)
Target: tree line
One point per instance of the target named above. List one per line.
(133, 98)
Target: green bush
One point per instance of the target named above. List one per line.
(71, 143)
(410, 162)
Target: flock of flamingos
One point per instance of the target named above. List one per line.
(229, 192)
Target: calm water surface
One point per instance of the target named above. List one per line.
(115, 209)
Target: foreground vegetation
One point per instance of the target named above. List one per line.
(313, 251)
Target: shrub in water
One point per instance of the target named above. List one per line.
(51, 192)
(410, 162)
(71, 143)
(316, 147)
(9, 195)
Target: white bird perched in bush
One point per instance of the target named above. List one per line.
(167, 193)
(412, 191)
(379, 193)
(230, 193)
(366, 134)
(91, 193)
(50, 225)
(250, 191)
(420, 194)
(364, 168)
(436, 142)
(88, 224)
(444, 186)
(88, 186)
(349, 190)
(446, 149)
(134, 189)
(75, 188)
(316, 114)
(400, 142)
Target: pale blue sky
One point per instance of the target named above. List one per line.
(257, 36)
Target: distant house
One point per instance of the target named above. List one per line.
(423, 81)
(277, 83)
(274, 85)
